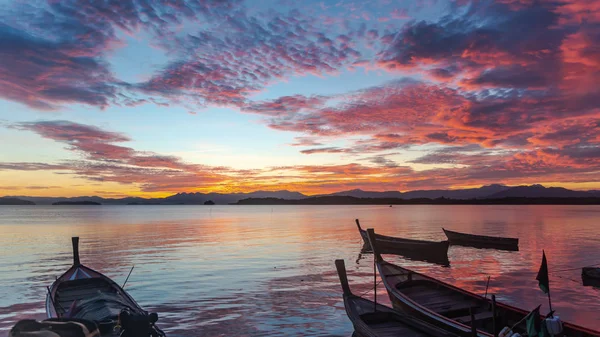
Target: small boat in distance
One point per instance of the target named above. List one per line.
(451, 308)
(430, 251)
(481, 241)
(590, 276)
(83, 293)
(375, 320)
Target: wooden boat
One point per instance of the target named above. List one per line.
(590, 276)
(450, 307)
(481, 241)
(83, 293)
(430, 251)
(376, 320)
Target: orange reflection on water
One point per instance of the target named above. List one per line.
(266, 269)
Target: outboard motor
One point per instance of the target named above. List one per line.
(138, 324)
(134, 325)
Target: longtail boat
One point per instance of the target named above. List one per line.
(590, 276)
(452, 308)
(430, 251)
(83, 293)
(482, 241)
(371, 319)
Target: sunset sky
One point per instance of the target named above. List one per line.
(151, 98)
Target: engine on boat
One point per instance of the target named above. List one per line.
(138, 325)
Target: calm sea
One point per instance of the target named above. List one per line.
(269, 271)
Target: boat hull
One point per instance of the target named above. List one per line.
(482, 241)
(398, 287)
(371, 319)
(430, 251)
(590, 276)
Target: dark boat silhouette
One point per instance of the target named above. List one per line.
(430, 251)
(452, 308)
(375, 320)
(482, 241)
(83, 293)
(590, 276)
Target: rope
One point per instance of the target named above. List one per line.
(570, 269)
(368, 291)
(570, 279)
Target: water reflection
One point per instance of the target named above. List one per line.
(244, 270)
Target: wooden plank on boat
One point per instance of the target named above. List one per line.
(478, 316)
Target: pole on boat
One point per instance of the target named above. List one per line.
(358, 224)
(550, 304)
(376, 258)
(371, 235)
(473, 328)
(127, 279)
(75, 241)
(374, 286)
(341, 270)
(494, 315)
(486, 287)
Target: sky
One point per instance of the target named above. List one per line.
(151, 98)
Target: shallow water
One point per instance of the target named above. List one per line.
(269, 270)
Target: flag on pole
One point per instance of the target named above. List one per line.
(542, 275)
(534, 325)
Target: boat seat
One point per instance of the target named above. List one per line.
(478, 317)
(453, 308)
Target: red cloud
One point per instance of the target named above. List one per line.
(106, 161)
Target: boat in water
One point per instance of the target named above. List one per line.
(482, 241)
(590, 276)
(429, 251)
(371, 319)
(451, 308)
(83, 293)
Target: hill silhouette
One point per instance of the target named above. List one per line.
(492, 191)
(15, 201)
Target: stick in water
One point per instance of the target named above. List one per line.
(124, 283)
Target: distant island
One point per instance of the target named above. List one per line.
(347, 200)
(15, 201)
(76, 203)
(493, 191)
(144, 203)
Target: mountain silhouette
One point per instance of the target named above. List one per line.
(493, 191)
(539, 191)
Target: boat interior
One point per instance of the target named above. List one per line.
(96, 299)
(440, 299)
(385, 322)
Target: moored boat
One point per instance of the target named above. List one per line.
(430, 251)
(590, 276)
(452, 308)
(83, 293)
(482, 241)
(375, 320)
